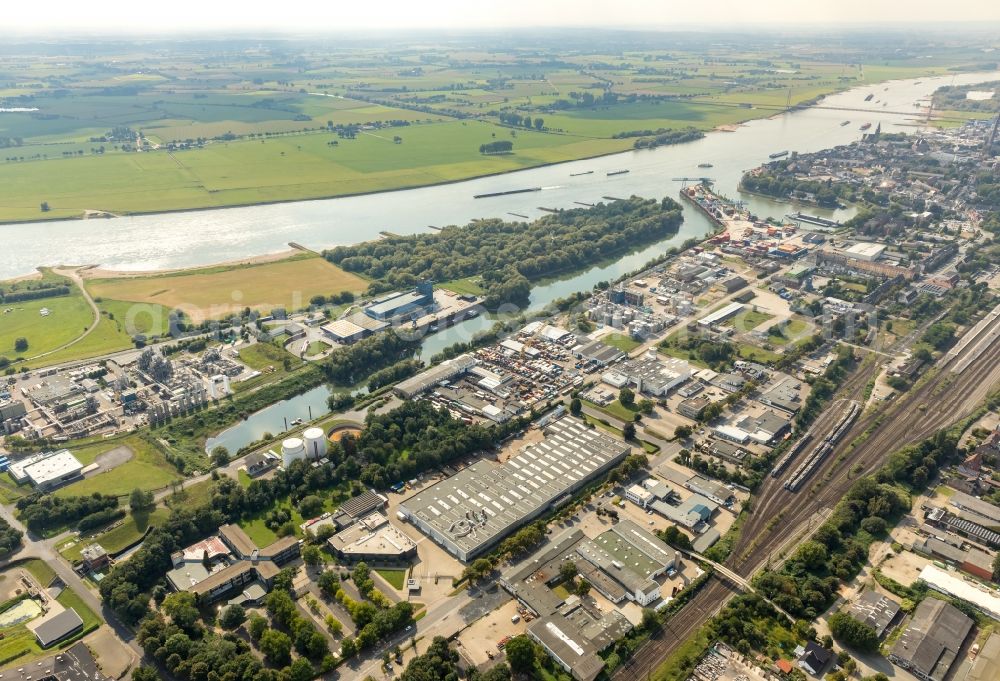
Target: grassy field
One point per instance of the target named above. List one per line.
(316, 348)
(215, 292)
(69, 316)
(148, 469)
(747, 320)
(256, 526)
(396, 578)
(622, 342)
(117, 538)
(269, 359)
(286, 168)
(468, 286)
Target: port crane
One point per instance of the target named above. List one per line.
(699, 180)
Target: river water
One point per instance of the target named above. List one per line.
(174, 240)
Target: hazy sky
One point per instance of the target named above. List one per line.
(332, 15)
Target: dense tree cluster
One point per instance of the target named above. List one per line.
(668, 137)
(939, 335)
(509, 254)
(44, 512)
(350, 364)
(32, 290)
(853, 633)
(10, 539)
(497, 147)
(809, 581)
(779, 183)
(126, 587)
(395, 373)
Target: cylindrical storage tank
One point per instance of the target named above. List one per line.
(315, 442)
(292, 449)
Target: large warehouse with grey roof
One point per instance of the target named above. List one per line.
(473, 510)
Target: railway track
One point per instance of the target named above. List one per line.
(940, 401)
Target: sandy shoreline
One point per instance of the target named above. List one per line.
(97, 272)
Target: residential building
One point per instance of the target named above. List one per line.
(815, 658)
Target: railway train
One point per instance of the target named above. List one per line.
(808, 467)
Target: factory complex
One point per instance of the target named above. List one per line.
(473, 510)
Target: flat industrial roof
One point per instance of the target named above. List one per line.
(487, 500)
(55, 627)
(387, 307)
(343, 328)
(565, 640)
(53, 467)
(985, 598)
(372, 535)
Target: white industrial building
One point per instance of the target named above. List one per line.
(868, 252)
(47, 470)
(722, 314)
(649, 374)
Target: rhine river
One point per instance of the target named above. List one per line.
(176, 240)
(204, 237)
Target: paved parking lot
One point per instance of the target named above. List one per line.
(73, 664)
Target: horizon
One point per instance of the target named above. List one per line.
(229, 18)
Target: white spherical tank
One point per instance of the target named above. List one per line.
(315, 441)
(292, 449)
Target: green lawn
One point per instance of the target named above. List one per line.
(118, 538)
(257, 529)
(193, 496)
(468, 286)
(69, 316)
(747, 320)
(396, 578)
(617, 410)
(40, 570)
(316, 348)
(148, 469)
(621, 341)
(757, 354)
(109, 336)
(9, 490)
(269, 359)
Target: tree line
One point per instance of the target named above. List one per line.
(44, 512)
(508, 255)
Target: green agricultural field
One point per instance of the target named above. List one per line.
(278, 169)
(288, 121)
(215, 292)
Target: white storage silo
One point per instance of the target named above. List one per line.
(292, 449)
(315, 442)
